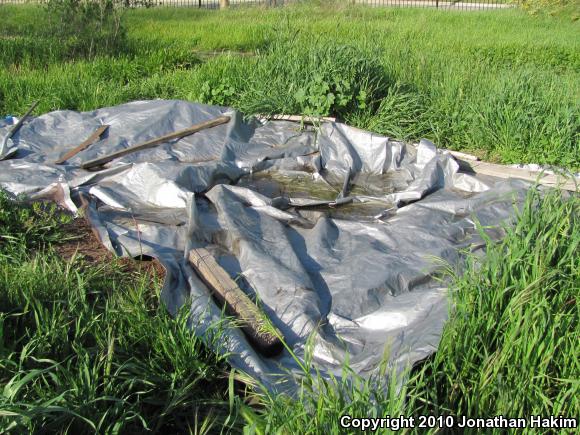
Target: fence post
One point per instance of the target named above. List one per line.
(224, 4)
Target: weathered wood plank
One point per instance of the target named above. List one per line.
(4, 152)
(157, 141)
(463, 156)
(500, 171)
(253, 322)
(96, 135)
(298, 118)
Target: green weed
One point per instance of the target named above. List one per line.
(29, 226)
(510, 346)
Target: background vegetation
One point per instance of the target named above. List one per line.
(87, 348)
(501, 84)
(568, 8)
(84, 27)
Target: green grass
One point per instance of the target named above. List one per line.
(511, 345)
(88, 348)
(501, 84)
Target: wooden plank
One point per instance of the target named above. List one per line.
(299, 118)
(253, 322)
(463, 156)
(157, 141)
(500, 171)
(94, 137)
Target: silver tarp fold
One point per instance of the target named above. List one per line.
(338, 233)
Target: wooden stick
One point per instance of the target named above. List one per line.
(96, 135)
(501, 171)
(154, 142)
(14, 129)
(253, 322)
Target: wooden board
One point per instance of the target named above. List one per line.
(500, 171)
(299, 118)
(252, 321)
(463, 156)
(96, 135)
(157, 141)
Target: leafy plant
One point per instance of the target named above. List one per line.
(220, 94)
(321, 78)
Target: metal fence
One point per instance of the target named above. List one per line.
(458, 4)
(215, 4)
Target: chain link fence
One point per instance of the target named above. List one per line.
(217, 4)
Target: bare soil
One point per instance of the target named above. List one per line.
(83, 242)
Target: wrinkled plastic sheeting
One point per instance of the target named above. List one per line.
(356, 279)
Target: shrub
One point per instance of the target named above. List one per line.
(87, 27)
(294, 75)
(546, 6)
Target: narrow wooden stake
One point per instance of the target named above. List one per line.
(4, 145)
(253, 322)
(89, 141)
(154, 142)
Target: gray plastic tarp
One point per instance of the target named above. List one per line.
(353, 270)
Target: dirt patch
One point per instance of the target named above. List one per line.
(81, 241)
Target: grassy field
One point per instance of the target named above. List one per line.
(87, 348)
(501, 84)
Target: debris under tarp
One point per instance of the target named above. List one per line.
(336, 233)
